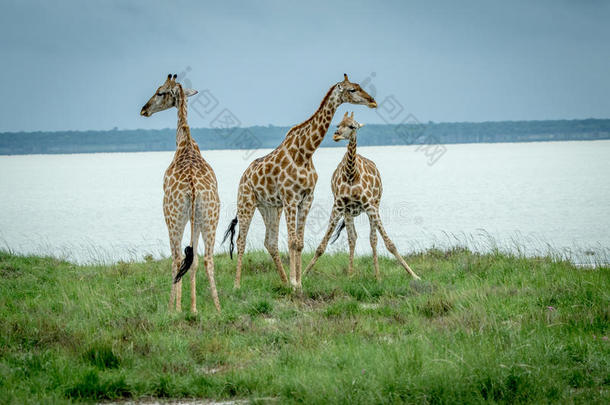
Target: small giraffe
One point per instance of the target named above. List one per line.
(356, 186)
(190, 193)
(285, 180)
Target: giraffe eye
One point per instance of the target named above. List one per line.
(160, 94)
(352, 127)
(352, 90)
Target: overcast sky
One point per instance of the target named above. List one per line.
(78, 65)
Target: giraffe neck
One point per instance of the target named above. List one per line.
(183, 133)
(303, 139)
(350, 160)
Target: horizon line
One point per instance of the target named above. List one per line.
(429, 122)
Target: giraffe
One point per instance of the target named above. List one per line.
(356, 186)
(190, 193)
(285, 180)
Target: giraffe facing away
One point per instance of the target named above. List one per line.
(285, 180)
(356, 186)
(190, 194)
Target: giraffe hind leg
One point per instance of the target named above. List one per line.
(244, 217)
(176, 221)
(209, 236)
(390, 245)
(193, 268)
(176, 260)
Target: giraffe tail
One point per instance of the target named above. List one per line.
(230, 234)
(338, 230)
(189, 255)
(186, 263)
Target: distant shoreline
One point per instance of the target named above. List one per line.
(265, 137)
(323, 146)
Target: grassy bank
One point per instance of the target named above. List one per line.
(477, 328)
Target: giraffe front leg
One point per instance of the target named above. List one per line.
(303, 211)
(389, 244)
(351, 238)
(271, 217)
(332, 223)
(291, 225)
(373, 240)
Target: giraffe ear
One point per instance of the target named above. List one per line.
(360, 125)
(190, 92)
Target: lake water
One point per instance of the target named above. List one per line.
(532, 197)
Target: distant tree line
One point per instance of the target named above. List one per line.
(16, 143)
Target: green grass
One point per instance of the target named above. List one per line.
(477, 328)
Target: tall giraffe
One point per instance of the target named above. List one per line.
(190, 193)
(285, 180)
(356, 186)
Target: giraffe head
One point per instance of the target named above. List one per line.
(354, 94)
(347, 128)
(165, 97)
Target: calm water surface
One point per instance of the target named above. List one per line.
(528, 196)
